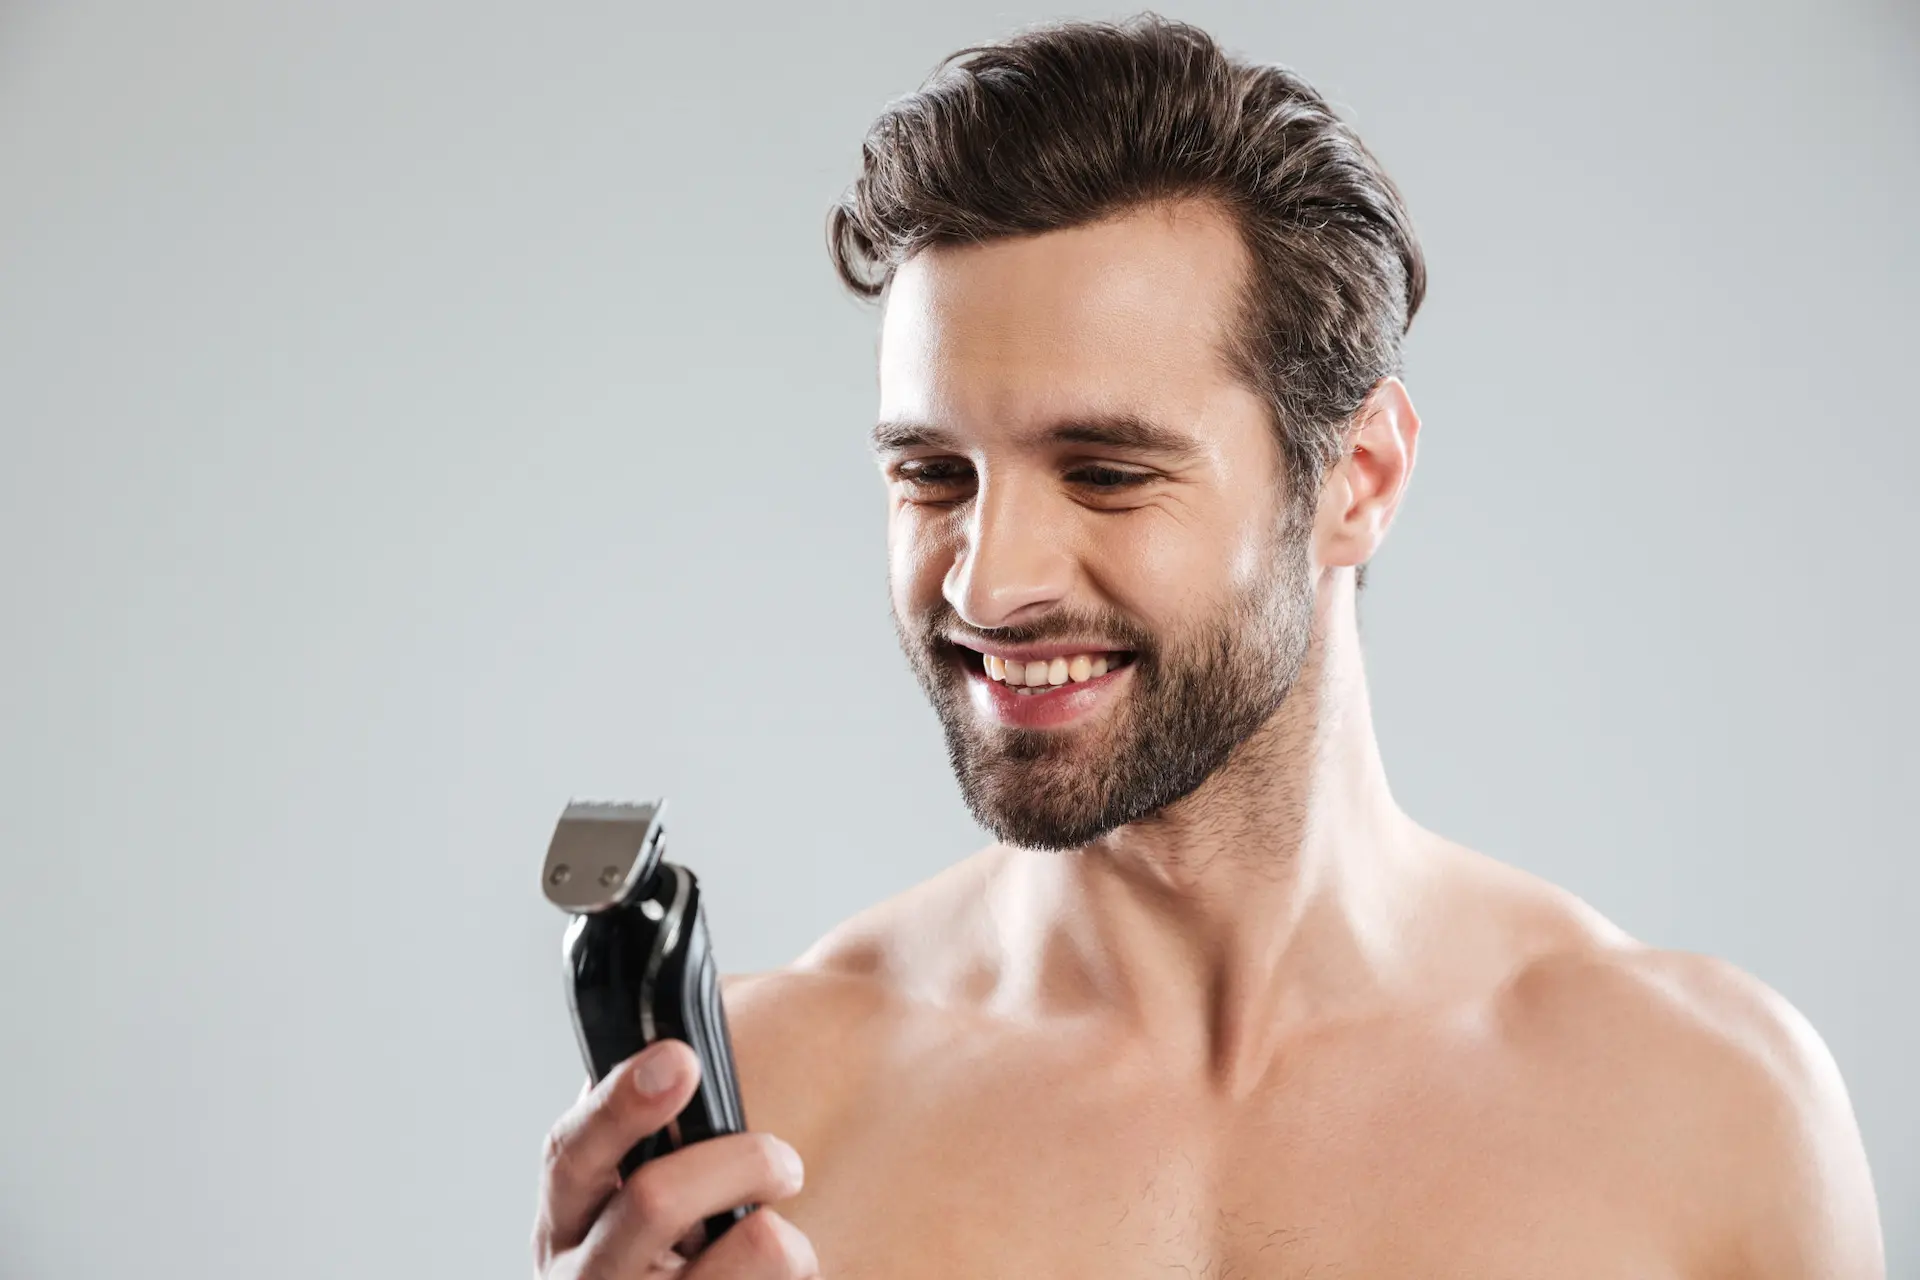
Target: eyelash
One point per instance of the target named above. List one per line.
(1098, 478)
(1119, 479)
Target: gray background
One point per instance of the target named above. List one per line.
(416, 414)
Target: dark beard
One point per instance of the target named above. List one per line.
(1192, 703)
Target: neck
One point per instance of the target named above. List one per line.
(1268, 899)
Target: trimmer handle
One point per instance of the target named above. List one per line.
(640, 969)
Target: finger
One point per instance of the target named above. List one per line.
(761, 1246)
(666, 1198)
(583, 1150)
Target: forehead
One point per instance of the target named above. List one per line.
(1128, 314)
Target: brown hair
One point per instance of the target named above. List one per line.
(1064, 124)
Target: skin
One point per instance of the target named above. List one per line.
(1276, 1030)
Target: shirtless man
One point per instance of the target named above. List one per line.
(1214, 1006)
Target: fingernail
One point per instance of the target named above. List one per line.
(656, 1070)
(799, 1250)
(788, 1160)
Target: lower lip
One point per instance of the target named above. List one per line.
(1061, 705)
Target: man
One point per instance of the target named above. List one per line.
(1214, 1006)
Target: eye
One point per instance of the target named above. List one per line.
(1107, 478)
(933, 479)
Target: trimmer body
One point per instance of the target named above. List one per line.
(640, 968)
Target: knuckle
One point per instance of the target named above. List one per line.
(558, 1160)
(553, 1149)
(651, 1195)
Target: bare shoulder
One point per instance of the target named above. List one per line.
(805, 1043)
(1701, 1064)
(811, 1039)
(1700, 1082)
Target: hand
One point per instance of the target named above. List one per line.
(593, 1227)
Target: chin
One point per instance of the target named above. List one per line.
(1036, 805)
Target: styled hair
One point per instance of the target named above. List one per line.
(1069, 123)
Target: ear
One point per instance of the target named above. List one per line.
(1363, 491)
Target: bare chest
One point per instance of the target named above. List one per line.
(1342, 1167)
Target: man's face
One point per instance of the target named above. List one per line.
(1093, 573)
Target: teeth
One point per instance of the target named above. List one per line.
(1035, 676)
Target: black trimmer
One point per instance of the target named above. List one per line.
(639, 966)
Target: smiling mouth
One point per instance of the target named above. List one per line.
(1043, 676)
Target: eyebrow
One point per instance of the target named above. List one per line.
(1116, 430)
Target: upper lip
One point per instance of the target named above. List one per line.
(1035, 652)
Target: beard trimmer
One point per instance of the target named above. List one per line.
(639, 966)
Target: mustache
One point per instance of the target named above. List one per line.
(938, 630)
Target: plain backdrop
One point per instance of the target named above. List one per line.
(416, 414)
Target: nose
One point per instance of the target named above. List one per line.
(1010, 567)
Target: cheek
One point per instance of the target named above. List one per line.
(917, 560)
(1252, 561)
(1162, 569)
